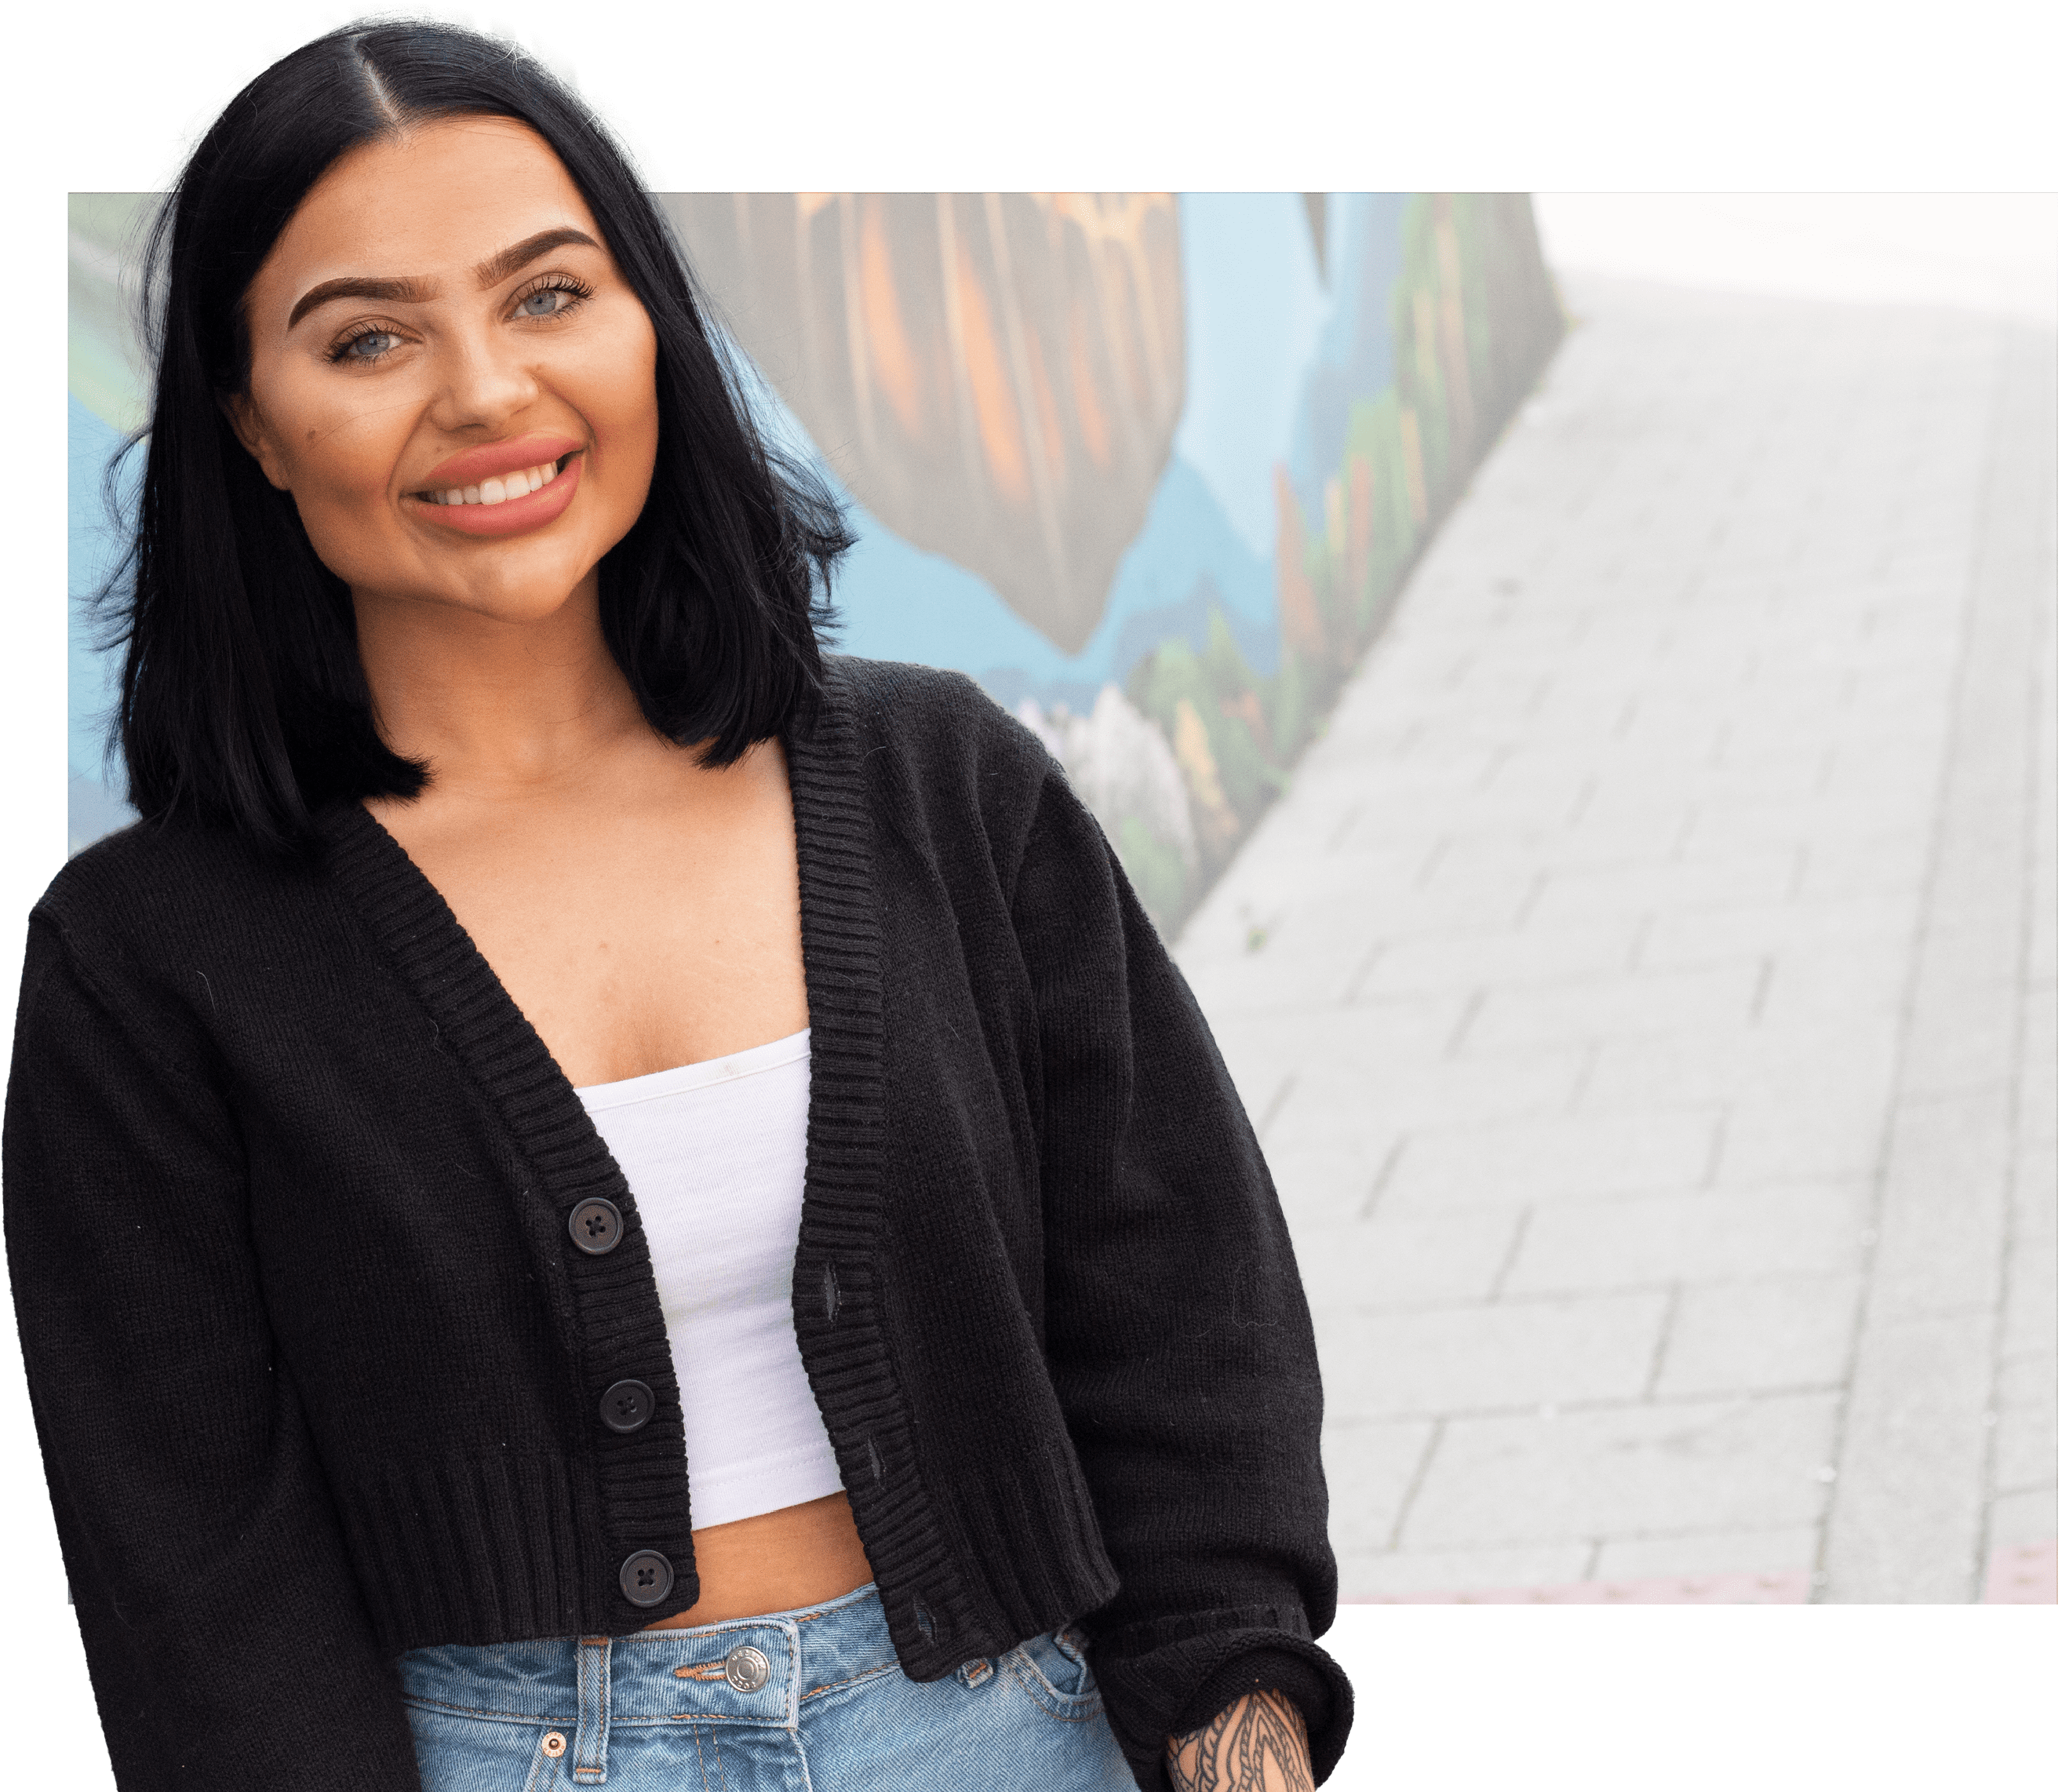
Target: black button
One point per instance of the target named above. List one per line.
(596, 1226)
(627, 1406)
(646, 1577)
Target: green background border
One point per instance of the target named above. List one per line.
(1091, 95)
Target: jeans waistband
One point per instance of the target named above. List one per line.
(753, 1669)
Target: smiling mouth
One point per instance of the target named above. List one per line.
(500, 490)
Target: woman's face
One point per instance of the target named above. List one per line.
(440, 318)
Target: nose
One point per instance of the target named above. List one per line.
(487, 382)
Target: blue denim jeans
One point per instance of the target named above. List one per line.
(810, 1700)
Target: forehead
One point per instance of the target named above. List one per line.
(432, 202)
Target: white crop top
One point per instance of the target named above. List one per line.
(714, 1154)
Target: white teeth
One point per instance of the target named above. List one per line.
(499, 491)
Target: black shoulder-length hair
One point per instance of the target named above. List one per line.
(243, 699)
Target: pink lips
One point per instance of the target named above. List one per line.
(514, 517)
(493, 458)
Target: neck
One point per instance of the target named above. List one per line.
(497, 708)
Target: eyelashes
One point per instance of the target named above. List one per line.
(566, 292)
(574, 291)
(345, 347)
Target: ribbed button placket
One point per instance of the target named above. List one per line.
(843, 1343)
(640, 1469)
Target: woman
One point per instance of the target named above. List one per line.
(595, 1194)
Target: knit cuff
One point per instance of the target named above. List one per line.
(1262, 1670)
(1156, 1694)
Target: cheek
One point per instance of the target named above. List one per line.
(339, 447)
(343, 456)
(620, 380)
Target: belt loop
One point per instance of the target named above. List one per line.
(589, 1749)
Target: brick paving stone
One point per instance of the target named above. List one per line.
(1500, 955)
(1399, 1259)
(1708, 1553)
(1801, 1132)
(1714, 999)
(1755, 932)
(1324, 1190)
(1339, 1095)
(1370, 1469)
(1375, 1575)
(1571, 982)
(1823, 1061)
(1712, 1236)
(1793, 1331)
(1492, 1355)
(1388, 1045)
(1514, 1162)
(1742, 1464)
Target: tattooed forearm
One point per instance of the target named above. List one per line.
(1260, 1744)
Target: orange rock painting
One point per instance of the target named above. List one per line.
(995, 377)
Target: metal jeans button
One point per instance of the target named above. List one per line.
(746, 1667)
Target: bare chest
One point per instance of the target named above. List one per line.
(633, 936)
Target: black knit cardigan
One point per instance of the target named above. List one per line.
(316, 1368)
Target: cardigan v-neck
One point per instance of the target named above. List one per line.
(317, 1367)
(643, 1474)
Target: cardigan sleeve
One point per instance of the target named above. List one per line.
(227, 1642)
(1177, 1332)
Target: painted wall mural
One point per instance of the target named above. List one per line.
(1151, 466)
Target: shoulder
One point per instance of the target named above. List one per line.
(934, 748)
(928, 714)
(155, 893)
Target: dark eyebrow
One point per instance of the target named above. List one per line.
(394, 291)
(497, 268)
(490, 272)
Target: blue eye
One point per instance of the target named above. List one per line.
(371, 346)
(559, 295)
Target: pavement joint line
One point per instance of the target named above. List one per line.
(1406, 1504)
(1718, 1143)
(1474, 1001)
(1384, 1175)
(1501, 1275)
(1355, 983)
(1663, 1341)
(1764, 988)
(1279, 1101)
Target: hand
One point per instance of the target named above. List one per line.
(1260, 1744)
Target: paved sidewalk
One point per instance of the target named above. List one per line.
(1642, 994)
